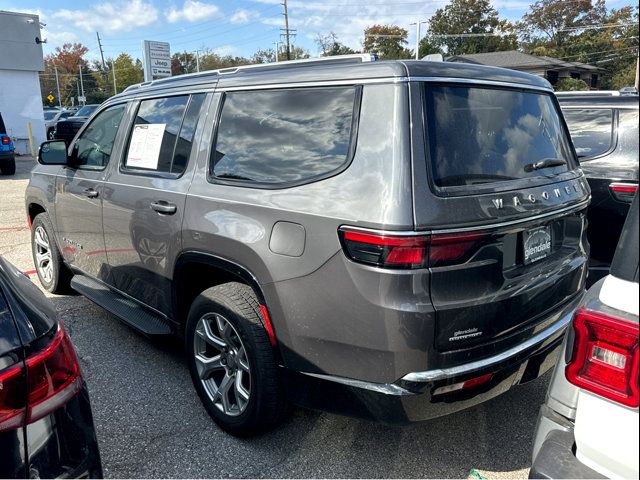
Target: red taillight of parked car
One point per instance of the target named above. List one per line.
(605, 356)
(391, 250)
(50, 379)
(5, 140)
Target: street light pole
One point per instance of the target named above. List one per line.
(81, 86)
(417, 24)
(113, 71)
(58, 86)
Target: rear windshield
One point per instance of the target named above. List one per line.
(3, 129)
(591, 130)
(48, 115)
(480, 135)
(86, 110)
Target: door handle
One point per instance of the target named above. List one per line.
(163, 207)
(90, 192)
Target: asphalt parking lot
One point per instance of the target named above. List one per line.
(150, 422)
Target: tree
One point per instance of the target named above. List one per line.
(388, 41)
(571, 85)
(127, 71)
(462, 17)
(330, 45)
(564, 31)
(183, 62)
(67, 60)
(553, 21)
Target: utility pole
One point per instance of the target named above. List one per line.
(286, 29)
(104, 67)
(58, 86)
(417, 24)
(113, 70)
(197, 62)
(277, 48)
(81, 85)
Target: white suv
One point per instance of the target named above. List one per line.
(588, 427)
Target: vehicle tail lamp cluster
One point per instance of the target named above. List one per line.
(389, 250)
(605, 356)
(5, 140)
(47, 380)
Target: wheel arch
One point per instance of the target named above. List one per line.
(195, 271)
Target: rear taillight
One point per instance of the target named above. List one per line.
(5, 140)
(390, 250)
(605, 356)
(51, 378)
(385, 250)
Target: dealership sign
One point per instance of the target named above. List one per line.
(157, 60)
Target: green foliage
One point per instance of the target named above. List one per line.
(571, 85)
(624, 78)
(468, 17)
(553, 28)
(388, 41)
(128, 72)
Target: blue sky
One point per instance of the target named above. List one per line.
(228, 27)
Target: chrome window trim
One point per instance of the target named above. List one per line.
(479, 82)
(316, 83)
(489, 226)
(443, 373)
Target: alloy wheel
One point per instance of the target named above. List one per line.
(43, 254)
(222, 364)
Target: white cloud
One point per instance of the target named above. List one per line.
(243, 16)
(192, 11)
(225, 50)
(55, 38)
(117, 16)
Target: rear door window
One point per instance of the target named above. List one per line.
(163, 133)
(591, 130)
(284, 137)
(480, 135)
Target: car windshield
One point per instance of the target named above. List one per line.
(49, 115)
(482, 135)
(86, 110)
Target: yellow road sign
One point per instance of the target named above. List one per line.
(50, 98)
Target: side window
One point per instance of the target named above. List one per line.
(163, 134)
(591, 130)
(283, 136)
(93, 148)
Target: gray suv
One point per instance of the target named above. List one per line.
(391, 240)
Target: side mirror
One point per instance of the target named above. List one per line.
(53, 152)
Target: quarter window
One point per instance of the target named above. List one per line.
(93, 148)
(283, 136)
(591, 130)
(163, 134)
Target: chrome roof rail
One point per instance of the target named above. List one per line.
(305, 62)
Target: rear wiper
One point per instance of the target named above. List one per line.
(546, 163)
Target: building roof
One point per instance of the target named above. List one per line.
(519, 60)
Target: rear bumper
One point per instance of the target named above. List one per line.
(7, 156)
(555, 457)
(419, 396)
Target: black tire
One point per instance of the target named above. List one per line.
(8, 167)
(60, 281)
(267, 404)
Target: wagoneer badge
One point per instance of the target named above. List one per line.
(566, 191)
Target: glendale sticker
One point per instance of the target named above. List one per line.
(537, 244)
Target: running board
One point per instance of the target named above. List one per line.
(127, 310)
